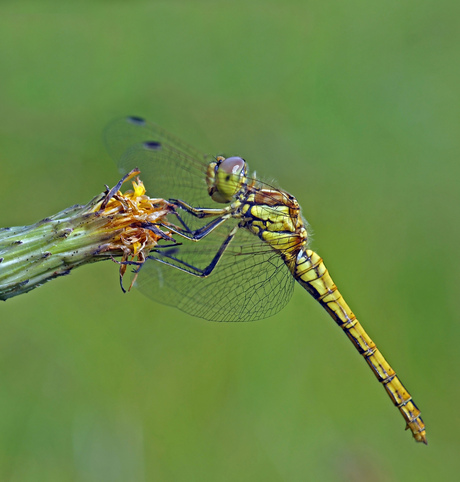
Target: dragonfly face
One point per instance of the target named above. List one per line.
(226, 177)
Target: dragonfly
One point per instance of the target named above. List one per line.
(245, 244)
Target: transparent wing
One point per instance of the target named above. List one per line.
(250, 282)
(170, 168)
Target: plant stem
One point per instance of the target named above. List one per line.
(110, 225)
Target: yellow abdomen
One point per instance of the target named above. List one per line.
(310, 271)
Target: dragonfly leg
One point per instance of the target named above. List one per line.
(198, 234)
(199, 212)
(188, 268)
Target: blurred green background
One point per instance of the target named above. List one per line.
(352, 107)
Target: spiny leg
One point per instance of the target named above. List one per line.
(197, 234)
(193, 270)
(200, 212)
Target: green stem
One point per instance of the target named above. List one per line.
(33, 255)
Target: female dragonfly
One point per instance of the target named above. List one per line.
(245, 245)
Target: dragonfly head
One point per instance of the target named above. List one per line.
(225, 178)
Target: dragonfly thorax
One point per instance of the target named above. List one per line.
(226, 177)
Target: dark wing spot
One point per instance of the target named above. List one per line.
(136, 120)
(153, 145)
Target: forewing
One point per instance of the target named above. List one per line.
(170, 168)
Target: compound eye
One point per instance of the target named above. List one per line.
(232, 165)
